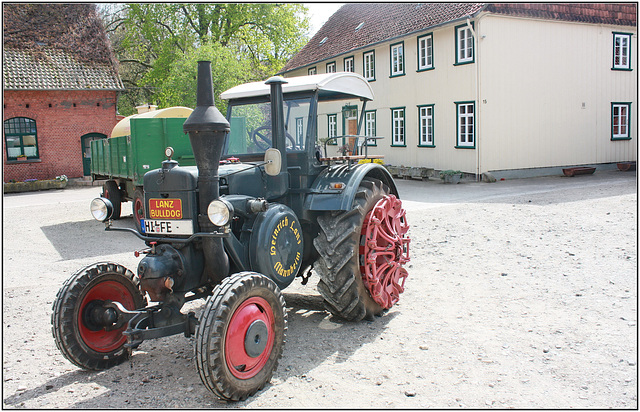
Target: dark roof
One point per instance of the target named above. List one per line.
(385, 21)
(56, 47)
(56, 70)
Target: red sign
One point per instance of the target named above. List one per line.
(165, 208)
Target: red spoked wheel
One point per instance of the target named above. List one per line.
(361, 253)
(241, 335)
(384, 250)
(84, 330)
(250, 338)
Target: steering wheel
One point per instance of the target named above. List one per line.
(264, 142)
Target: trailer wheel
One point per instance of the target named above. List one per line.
(241, 335)
(82, 329)
(111, 191)
(361, 254)
(138, 207)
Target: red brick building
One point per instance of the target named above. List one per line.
(60, 89)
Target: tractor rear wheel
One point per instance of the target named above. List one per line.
(111, 191)
(241, 334)
(361, 254)
(86, 333)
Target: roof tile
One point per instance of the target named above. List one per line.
(52, 69)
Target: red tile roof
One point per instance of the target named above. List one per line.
(623, 14)
(386, 21)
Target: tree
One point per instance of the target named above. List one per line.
(151, 40)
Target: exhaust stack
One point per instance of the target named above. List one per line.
(207, 128)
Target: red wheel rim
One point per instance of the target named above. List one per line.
(138, 210)
(101, 340)
(253, 311)
(384, 249)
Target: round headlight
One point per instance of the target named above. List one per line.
(101, 209)
(219, 212)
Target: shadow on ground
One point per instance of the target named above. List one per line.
(84, 239)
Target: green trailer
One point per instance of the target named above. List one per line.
(137, 145)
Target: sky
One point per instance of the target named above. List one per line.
(319, 13)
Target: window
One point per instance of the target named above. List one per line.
(464, 44)
(311, 71)
(425, 126)
(348, 64)
(299, 130)
(620, 121)
(332, 127)
(466, 125)
(397, 126)
(370, 127)
(331, 67)
(425, 52)
(397, 59)
(621, 51)
(369, 65)
(21, 138)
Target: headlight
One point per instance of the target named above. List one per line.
(219, 212)
(101, 209)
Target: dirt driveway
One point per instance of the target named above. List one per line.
(521, 294)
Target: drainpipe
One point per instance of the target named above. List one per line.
(476, 50)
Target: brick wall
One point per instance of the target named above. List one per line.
(62, 118)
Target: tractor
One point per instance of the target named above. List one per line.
(263, 205)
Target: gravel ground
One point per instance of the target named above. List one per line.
(521, 294)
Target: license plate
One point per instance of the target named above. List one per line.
(167, 227)
(163, 209)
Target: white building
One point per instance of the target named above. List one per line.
(485, 87)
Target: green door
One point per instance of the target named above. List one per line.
(86, 150)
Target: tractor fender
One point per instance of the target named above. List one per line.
(324, 196)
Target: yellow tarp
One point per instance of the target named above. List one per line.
(123, 127)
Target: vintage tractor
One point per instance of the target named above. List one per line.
(264, 205)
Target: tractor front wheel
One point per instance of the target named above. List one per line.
(86, 332)
(241, 335)
(361, 254)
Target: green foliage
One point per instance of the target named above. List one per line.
(155, 42)
(179, 87)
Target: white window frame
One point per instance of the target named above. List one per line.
(397, 59)
(398, 126)
(465, 52)
(331, 67)
(621, 51)
(425, 52)
(465, 125)
(312, 71)
(370, 127)
(369, 65)
(299, 130)
(425, 126)
(620, 121)
(349, 64)
(332, 126)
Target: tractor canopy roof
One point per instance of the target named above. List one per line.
(330, 86)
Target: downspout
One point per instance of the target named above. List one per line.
(476, 50)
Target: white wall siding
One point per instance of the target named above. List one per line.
(535, 77)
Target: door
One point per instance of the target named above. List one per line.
(86, 150)
(350, 125)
